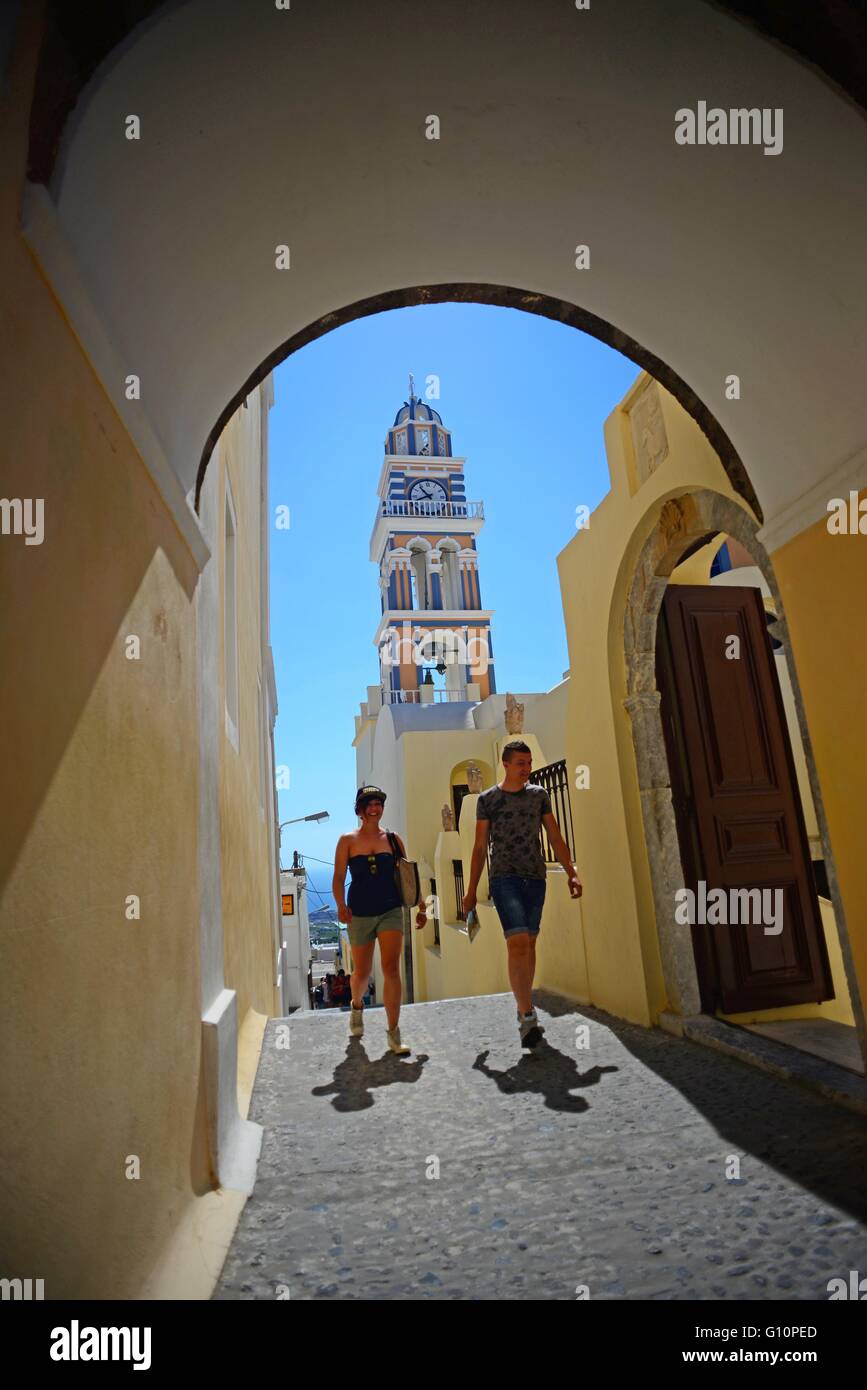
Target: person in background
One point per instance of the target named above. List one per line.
(342, 989)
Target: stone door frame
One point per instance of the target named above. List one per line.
(680, 523)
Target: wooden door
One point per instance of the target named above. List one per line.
(738, 811)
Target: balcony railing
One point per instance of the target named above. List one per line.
(413, 697)
(436, 920)
(458, 870)
(555, 779)
(391, 507)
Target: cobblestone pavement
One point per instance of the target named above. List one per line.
(604, 1166)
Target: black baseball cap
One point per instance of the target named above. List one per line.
(365, 794)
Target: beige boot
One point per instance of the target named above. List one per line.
(394, 1042)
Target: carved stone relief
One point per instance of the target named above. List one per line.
(649, 439)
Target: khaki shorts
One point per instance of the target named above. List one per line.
(363, 931)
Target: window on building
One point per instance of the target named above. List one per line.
(459, 791)
(820, 874)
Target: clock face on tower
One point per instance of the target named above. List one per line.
(426, 490)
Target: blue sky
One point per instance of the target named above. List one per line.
(525, 399)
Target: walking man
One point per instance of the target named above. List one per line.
(511, 815)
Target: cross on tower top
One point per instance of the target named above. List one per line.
(411, 386)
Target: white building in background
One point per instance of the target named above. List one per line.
(325, 954)
(295, 954)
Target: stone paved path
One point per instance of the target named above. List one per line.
(603, 1167)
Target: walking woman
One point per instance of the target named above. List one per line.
(373, 911)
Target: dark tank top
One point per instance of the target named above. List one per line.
(372, 894)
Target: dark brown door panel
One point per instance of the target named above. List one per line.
(739, 817)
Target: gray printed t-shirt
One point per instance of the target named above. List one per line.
(516, 819)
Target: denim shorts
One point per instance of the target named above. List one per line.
(519, 902)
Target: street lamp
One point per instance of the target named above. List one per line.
(317, 815)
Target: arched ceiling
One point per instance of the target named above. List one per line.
(306, 127)
(829, 34)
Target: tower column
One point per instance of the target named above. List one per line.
(424, 540)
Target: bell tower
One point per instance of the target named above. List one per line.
(434, 637)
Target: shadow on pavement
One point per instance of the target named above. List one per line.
(805, 1138)
(356, 1076)
(547, 1072)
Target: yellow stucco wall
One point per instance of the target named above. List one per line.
(823, 580)
(249, 949)
(100, 1020)
(101, 1016)
(596, 570)
(819, 586)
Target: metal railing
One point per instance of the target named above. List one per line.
(393, 507)
(458, 867)
(436, 920)
(555, 779)
(413, 697)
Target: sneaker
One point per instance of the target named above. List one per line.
(356, 1021)
(394, 1042)
(528, 1026)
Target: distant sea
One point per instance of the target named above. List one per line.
(322, 898)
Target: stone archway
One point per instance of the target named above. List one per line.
(508, 297)
(682, 523)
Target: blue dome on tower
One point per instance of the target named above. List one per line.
(414, 409)
(418, 430)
